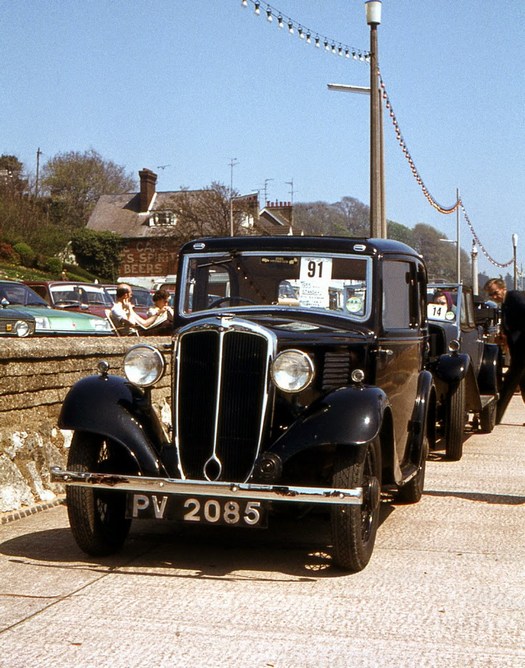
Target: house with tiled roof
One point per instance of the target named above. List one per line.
(147, 225)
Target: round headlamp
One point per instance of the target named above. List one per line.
(292, 371)
(22, 328)
(144, 365)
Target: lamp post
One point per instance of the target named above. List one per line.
(458, 268)
(514, 255)
(474, 258)
(458, 246)
(373, 18)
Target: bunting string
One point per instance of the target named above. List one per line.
(274, 15)
(444, 210)
(309, 36)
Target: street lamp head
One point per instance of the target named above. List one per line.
(514, 240)
(373, 12)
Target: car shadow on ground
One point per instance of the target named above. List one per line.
(294, 547)
(438, 452)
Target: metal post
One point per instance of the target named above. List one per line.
(233, 162)
(515, 256)
(37, 184)
(474, 257)
(458, 245)
(373, 18)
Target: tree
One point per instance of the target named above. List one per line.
(12, 182)
(400, 233)
(98, 252)
(203, 212)
(356, 216)
(320, 218)
(77, 180)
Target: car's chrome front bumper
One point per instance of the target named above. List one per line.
(205, 488)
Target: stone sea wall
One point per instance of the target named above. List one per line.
(35, 375)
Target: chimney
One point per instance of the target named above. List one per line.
(148, 181)
(285, 209)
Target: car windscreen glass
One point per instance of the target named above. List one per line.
(65, 294)
(141, 298)
(335, 283)
(21, 295)
(441, 303)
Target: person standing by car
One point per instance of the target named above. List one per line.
(123, 314)
(513, 324)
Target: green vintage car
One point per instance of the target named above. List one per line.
(50, 321)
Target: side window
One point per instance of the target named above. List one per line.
(468, 320)
(396, 295)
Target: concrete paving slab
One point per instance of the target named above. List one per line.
(445, 586)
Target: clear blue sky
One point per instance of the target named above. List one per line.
(191, 84)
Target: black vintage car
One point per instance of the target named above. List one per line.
(298, 378)
(465, 362)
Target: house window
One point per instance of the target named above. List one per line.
(162, 218)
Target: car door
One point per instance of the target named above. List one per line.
(471, 332)
(401, 343)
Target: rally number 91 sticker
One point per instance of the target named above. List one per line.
(197, 510)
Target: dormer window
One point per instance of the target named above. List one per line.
(162, 218)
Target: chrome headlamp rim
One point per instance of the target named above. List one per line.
(22, 328)
(292, 383)
(144, 365)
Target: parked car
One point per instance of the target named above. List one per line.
(82, 297)
(466, 364)
(49, 321)
(272, 404)
(14, 323)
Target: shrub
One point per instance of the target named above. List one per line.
(54, 266)
(27, 255)
(7, 252)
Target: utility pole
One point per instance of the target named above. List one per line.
(38, 154)
(232, 163)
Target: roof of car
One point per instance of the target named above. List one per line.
(302, 243)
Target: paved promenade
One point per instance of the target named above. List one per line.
(445, 586)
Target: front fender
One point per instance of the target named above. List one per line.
(488, 377)
(112, 407)
(349, 415)
(452, 367)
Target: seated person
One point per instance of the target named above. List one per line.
(444, 298)
(161, 300)
(123, 314)
(164, 312)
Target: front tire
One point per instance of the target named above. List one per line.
(96, 516)
(455, 422)
(354, 527)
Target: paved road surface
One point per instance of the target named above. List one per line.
(445, 586)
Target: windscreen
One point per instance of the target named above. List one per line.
(335, 283)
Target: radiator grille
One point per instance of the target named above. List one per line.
(221, 395)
